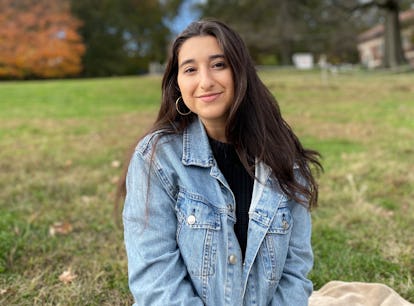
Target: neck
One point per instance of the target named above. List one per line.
(215, 129)
(217, 133)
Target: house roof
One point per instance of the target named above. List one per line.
(378, 30)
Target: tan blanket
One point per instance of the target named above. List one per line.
(337, 293)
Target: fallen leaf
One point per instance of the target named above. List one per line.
(3, 291)
(61, 228)
(86, 199)
(67, 276)
(68, 163)
(116, 164)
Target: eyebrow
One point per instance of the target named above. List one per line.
(211, 57)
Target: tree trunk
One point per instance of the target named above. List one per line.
(393, 50)
(285, 51)
(285, 30)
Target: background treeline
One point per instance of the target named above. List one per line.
(64, 38)
(61, 38)
(123, 36)
(274, 30)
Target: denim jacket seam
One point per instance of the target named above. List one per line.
(198, 197)
(146, 145)
(157, 170)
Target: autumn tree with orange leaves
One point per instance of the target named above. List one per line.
(39, 39)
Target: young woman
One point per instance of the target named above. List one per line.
(219, 192)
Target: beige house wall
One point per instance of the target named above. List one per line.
(408, 43)
(371, 45)
(371, 52)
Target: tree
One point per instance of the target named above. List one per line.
(327, 27)
(267, 26)
(393, 50)
(283, 27)
(333, 32)
(123, 36)
(39, 39)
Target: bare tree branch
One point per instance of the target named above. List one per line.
(360, 6)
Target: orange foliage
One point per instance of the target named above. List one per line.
(39, 38)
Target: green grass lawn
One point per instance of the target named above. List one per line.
(60, 140)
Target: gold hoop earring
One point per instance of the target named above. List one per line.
(178, 108)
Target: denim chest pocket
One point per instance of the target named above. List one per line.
(273, 250)
(282, 222)
(197, 232)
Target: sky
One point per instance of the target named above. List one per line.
(185, 16)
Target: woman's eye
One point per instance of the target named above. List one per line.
(189, 70)
(219, 65)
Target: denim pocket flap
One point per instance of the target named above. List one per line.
(282, 222)
(195, 212)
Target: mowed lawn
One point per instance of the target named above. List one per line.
(63, 145)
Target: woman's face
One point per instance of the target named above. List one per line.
(206, 82)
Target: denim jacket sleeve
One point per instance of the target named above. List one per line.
(294, 287)
(156, 272)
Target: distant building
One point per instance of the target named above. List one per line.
(303, 60)
(371, 42)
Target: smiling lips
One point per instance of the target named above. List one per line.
(209, 97)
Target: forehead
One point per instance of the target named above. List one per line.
(199, 47)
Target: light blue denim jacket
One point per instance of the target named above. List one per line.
(180, 242)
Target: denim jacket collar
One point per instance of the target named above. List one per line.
(196, 147)
(197, 152)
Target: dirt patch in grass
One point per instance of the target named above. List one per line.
(362, 132)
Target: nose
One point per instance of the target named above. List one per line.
(206, 79)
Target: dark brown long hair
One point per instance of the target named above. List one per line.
(254, 125)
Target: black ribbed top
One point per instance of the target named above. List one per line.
(241, 184)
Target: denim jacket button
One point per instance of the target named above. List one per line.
(230, 207)
(191, 219)
(232, 259)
